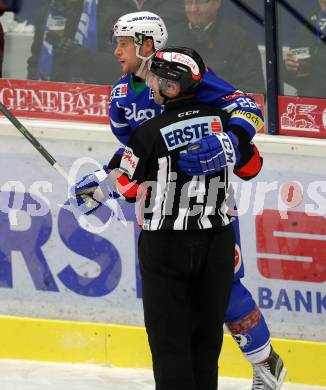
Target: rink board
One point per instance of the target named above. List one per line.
(63, 277)
(127, 347)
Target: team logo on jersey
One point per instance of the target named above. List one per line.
(182, 133)
(119, 91)
(216, 125)
(151, 94)
(237, 258)
(243, 340)
(129, 162)
(251, 118)
(132, 113)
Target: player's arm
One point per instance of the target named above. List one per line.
(250, 164)
(242, 108)
(215, 152)
(229, 148)
(246, 118)
(95, 188)
(123, 176)
(120, 126)
(211, 155)
(133, 169)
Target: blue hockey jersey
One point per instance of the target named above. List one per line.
(130, 106)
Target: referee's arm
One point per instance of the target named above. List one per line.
(133, 169)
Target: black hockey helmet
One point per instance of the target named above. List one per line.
(179, 64)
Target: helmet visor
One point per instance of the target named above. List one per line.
(161, 84)
(113, 38)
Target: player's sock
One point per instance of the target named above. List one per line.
(252, 335)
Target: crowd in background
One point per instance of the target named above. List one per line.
(72, 38)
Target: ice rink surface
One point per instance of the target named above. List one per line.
(23, 375)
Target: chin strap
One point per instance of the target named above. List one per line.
(144, 61)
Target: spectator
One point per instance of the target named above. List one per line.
(249, 14)
(53, 46)
(305, 63)
(40, 63)
(6, 6)
(83, 53)
(62, 57)
(229, 50)
(24, 20)
(59, 54)
(102, 59)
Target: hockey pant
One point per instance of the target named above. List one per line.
(186, 283)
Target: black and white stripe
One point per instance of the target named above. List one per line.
(180, 204)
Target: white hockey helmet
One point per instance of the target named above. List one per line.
(141, 25)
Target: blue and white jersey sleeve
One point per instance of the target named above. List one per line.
(120, 126)
(243, 110)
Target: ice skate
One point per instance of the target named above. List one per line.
(270, 374)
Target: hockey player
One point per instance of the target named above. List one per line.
(132, 103)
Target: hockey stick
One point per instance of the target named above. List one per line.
(19, 126)
(22, 129)
(86, 196)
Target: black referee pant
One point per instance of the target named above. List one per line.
(186, 283)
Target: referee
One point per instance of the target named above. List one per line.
(186, 247)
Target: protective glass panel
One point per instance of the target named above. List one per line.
(70, 40)
(302, 45)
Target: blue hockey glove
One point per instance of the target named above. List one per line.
(92, 191)
(209, 155)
